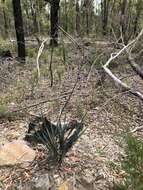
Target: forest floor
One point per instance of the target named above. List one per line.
(94, 161)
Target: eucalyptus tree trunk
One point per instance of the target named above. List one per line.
(54, 19)
(5, 20)
(34, 17)
(77, 18)
(139, 7)
(5, 23)
(18, 20)
(104, 15)
(66, 16)
(86, 16)
(123, 20)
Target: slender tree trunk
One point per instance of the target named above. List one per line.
(5, 20)
(34, 17)
(86, 16)
(66, 17)
(27, 25)
(138, 14)
(5, 23)
(36, 27)
(19, 28)
(54, 17)
(123, 21)
(87, 23)
(77, 18)
(104, 15)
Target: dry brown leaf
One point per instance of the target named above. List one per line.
(64, 186)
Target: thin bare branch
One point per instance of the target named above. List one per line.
(39, 54)
(43, 102)
(117, 81)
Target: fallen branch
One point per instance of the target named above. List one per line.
(117, 81)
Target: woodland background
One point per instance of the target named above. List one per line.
(75, 65)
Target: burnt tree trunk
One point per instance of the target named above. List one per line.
(18, 20)
(54, 19)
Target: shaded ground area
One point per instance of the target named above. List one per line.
(110, 112)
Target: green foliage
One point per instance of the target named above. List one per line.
(3, 109)
(90, 16)
(132, 164)
(31, 52)
(6, 45)
(5, 114)
(44, 56)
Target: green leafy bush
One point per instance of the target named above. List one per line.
(31, 52)
(132, 164)
(5, 114)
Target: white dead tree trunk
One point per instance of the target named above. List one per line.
(117, 81)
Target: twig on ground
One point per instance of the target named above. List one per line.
(42, 102)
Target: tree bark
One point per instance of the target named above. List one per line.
(5, 20)
(5, 23)
(77, 18)
(138, 14)
(123, 21)
(86, 4)
(66, 17)
(19, 29)
(54, 18)
(34, 17)
(104, 15)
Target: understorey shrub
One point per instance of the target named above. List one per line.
(58, 138)
(132, 164)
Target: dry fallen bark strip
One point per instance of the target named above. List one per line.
(117, 81)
